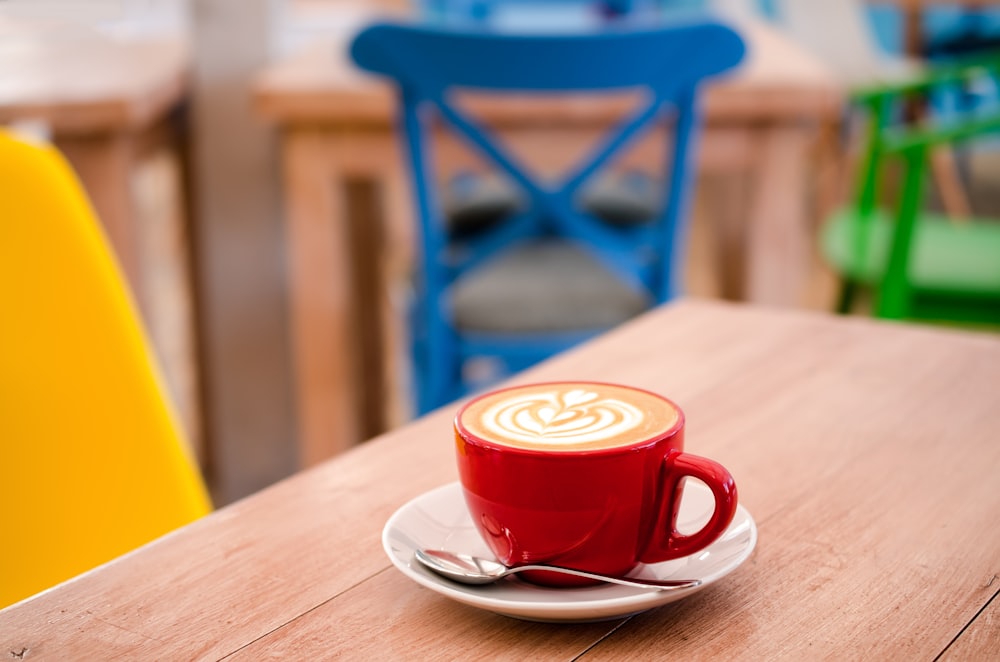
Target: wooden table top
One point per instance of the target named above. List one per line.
(79, 80)
(320, 84)
(866, 452)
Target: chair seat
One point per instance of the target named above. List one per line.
(948, 257)
(543, 287)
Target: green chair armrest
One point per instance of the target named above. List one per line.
(901, 139)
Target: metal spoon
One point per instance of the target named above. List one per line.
(474, 570)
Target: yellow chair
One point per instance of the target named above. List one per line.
(94, 462)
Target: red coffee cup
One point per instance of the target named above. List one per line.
(585, 475)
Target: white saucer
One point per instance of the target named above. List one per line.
(439, 520)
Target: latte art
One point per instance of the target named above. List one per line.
(569, 416)
(561, 417)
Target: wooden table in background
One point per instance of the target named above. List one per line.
(349, 218)
(112, 106)
(866, 452)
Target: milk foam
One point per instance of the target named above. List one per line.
(570, 416)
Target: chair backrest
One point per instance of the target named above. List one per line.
(94, 458)
(668, 63)
(888, 113)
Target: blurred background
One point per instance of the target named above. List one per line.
(195, 126)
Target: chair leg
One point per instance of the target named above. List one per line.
(845, 301)
(438, 380)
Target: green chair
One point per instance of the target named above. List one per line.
(919, 264)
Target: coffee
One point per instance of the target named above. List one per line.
(569, 416)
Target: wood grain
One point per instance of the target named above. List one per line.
(865, 451)
(387, 602)
(982, 638)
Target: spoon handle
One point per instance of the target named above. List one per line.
(660, 584)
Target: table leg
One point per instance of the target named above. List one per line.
(778, 230)
(724, 197)
(104, 163)
(913, 29)
(321, 299)
(365, 199)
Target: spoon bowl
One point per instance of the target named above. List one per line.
(468, 569)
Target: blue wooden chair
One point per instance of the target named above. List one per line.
(549, 274)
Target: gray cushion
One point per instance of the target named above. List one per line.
(623, 199)
(543, 287)
(473, 203)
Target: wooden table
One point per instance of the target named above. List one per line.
(866, 452)
(349, 220)
(112, 106)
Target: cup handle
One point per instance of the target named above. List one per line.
(667, 542)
